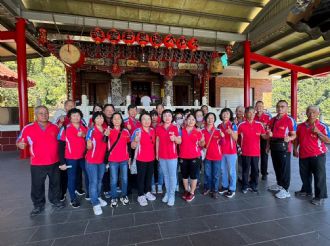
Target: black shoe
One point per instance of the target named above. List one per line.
(302, 193)
(230, 194)
(36, 211)
(254, 190)
(80, 192)
(75, 203)
(58, 205)
(223, 190)
(63, 198)
(264, 177)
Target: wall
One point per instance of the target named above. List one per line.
(8, 140)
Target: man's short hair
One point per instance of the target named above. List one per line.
(67, 101)
(260, 102)
(247, 109)
(36, 109)
(317, 108)
(282, 101)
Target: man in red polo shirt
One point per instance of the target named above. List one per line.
(250, 132)
(281, 129)
(41, 137)
(264, 119)
(311, 138)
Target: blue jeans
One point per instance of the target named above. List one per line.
(95, 174)
(160, 176)
(114, 169)
(212, 171)
(72, 174)
(169, 168)
(228, 166)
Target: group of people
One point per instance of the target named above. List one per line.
(113, 155)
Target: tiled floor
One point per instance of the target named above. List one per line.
(251, 219)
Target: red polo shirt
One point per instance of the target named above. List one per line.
(282, 127)
(120, 152)
(42, 142)
(263, 118)
(309, 143)
(75, 146)
(228, 145)
(134, 123)
(213, 152)
(250, 137)
(167, 148)
(97, 153)
(146, 148)
(189, 148)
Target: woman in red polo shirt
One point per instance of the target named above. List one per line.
(143, 141)
(119, 139)
(192, 140)
(96, 108)
(95, 167)
(213, 155)
(166, 152)
(72, 148)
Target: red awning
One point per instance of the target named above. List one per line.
(8, 78)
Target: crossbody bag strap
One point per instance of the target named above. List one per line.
(208, 144)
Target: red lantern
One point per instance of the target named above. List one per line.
(97, 35)
(193, 44)
(113, 36)
(229, 50)
(42, 36)
(156, 40)
(128, 37)
(169, 41)
(181, 43)
(142, 38)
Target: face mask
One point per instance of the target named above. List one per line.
(179, 122)
(199, 119)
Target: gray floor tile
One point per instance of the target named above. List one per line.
(308, 239)
(94, 239)
(40, 243)
(195, 211)
(231, 206)
(15, 237)
(115, 222)
(182, 241)
(225, 220)
(156, 216)
(265, 214)
(131, 208)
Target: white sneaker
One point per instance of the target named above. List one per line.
(97, 210)
(275, 187)
(102, 202)
(282, 194)
(142, 201)
(150, 197)
(165, 198)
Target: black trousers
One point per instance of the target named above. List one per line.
(38, 178)
(145, 171)
(106, 181)
(282, 166)
(63, 182)
(314, 166)
(250, 162)
(263, 157)
(190, 168)
(79, 179)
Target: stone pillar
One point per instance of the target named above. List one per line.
(116, 91)
(168, 87)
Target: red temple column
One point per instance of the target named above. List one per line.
(247, 63)
(22, 78)
(294, 92)
(73, 83)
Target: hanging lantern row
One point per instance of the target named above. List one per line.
(143, 39)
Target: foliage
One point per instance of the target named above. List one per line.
(312, 91)
(49, 75)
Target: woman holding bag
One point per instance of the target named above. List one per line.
(119, 138)
(143, 141)
(213, 155)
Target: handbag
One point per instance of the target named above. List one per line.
(132, 167)
(278, 144)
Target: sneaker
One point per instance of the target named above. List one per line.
(317, 201)
(63, 198)
(159, 189)
(282, 194)
(118, 189)
(102, 202)
(171, 201)
(190, 197)
(254, 190)
(80, 192)
(58, 205)
(275, 187)
(75, 203)
(107, 194)
(153, 189)
(150, 197)
(302, 193)
(223, 190)
(36, 211)
(264, 177)
(124, 200)
(215, 195)
(206, 192)
(230, 194)
(185, 194)
(87, 198)
(114, 203)
(142, 201)
(244, 191)
(165, 198)
(177, 189)
(97, 209)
